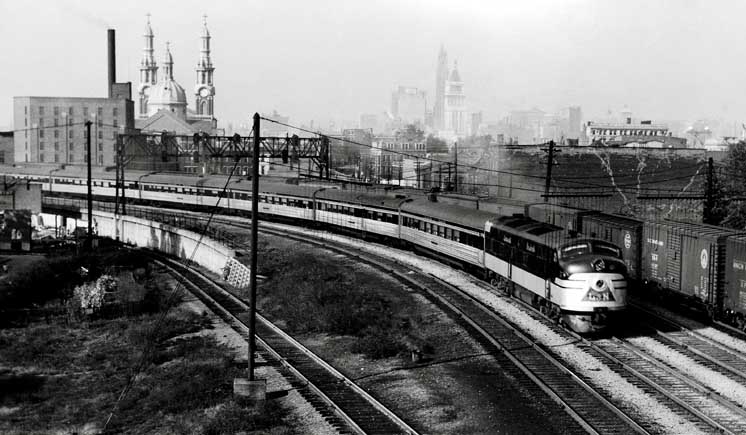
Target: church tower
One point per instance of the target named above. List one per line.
(440, 88)
(204, 90)
(148, 71)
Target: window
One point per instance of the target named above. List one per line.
(41, 145)
(115, 112)
(41, 133)
(56, 158)
(72, 146)
(85, 112)
(56, 146)
(41, 110)
(56, 134)
(70, 112)
(41, 158)
(100, 134)
(100, 147)
(573, 250)
(41, 123)
(71, 134)
(56, 111)
(100, 112)
(100, 160)
(116, 122)
(56, 122)
(25, 110)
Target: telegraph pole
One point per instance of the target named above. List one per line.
(707, 212)
(89, 239)
(550, 163)
(455, 165)
(254, 240)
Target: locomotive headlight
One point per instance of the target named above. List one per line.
(599, 286)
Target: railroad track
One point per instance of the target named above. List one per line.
(346, 406)
(687, 398)
(723, 358)
(590, 408)
(593, 413)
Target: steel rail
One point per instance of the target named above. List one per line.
(405, 428)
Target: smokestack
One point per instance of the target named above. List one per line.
(112, 60)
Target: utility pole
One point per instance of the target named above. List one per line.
(89, 240)
(707, 212)
(455, 165)
(254, 240)
(550, 163)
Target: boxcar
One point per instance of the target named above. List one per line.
(734, 295)
(686, 259)
(624, 232)
(568, 218)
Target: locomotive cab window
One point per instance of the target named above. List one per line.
(605, 249)
(575, 250)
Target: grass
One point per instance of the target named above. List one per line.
(64, 374)
(309, 293)
(64, 377)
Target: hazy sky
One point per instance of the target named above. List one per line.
(326, 60)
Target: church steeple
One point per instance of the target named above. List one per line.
(168, 64)
(148, 69)
(204, 89)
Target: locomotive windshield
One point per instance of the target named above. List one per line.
(585, 248)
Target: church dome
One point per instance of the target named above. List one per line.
(167, 92)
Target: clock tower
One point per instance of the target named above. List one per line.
(204, 90)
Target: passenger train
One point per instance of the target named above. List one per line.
(579, 281)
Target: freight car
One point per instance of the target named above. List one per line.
(682, 263)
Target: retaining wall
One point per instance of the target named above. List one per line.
(171, 240)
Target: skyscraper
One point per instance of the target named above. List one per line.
(454, 109)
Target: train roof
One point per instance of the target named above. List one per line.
(536, 231)
(614, 219)
(695, 229)
(466, 217)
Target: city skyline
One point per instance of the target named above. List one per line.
(672, 62)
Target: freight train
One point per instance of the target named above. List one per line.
(696, 265)
(579, 281)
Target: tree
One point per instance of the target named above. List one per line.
(410, 133)
(725, 211)
(435, 145)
